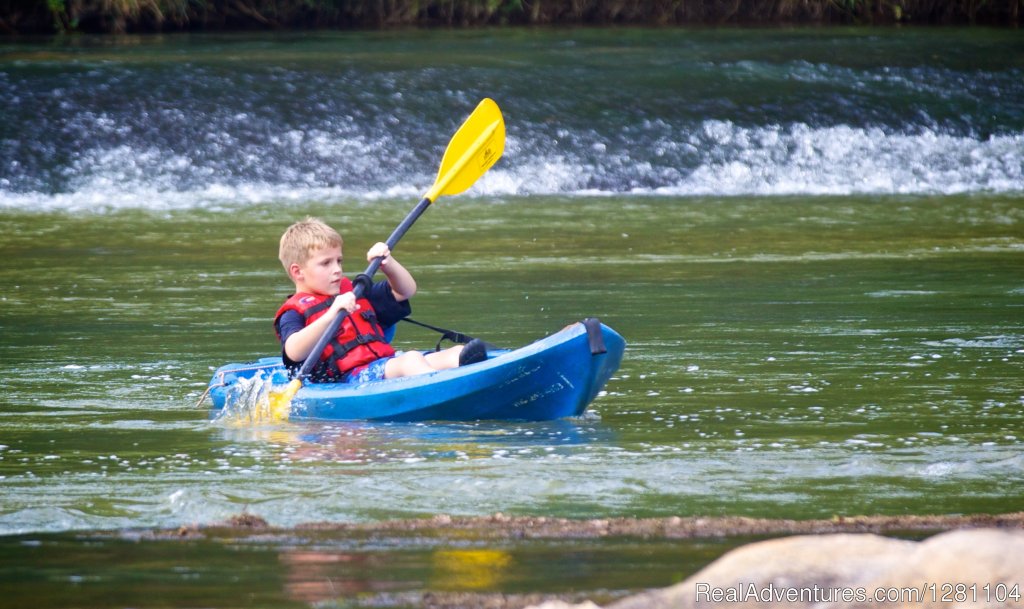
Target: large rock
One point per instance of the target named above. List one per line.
(981, 568)
(959, 569)
(759, 572)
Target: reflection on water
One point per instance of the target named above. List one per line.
(355, 442)
(331, 568)
(469, 569)
(312, 576)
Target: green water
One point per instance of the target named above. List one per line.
(788, 358)
(811, 240)
(229, 569)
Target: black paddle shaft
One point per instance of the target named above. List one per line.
(360, 287)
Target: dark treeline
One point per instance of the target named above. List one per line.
(120, 16)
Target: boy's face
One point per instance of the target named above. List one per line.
(321, 273)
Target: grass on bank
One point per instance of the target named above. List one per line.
(121, 16)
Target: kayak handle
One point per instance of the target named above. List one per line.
(595, 338)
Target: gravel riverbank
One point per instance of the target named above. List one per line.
(514, 527)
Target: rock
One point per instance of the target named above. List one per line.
(979, 568)
(776, 566)
(846, 571)
(245, 520)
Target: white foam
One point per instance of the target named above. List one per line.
(842, 160)
(715, 158)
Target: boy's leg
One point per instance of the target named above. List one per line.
(413, 362)
(409, 363)
(441, 360)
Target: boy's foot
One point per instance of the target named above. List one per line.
(475, 351)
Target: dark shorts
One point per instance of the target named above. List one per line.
(374, 371)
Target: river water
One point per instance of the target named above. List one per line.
(812, 240)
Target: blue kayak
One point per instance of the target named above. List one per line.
(555, 377)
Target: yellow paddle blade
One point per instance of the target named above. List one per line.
(475, 147)
(281, 401)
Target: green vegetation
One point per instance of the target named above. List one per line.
(118, 16)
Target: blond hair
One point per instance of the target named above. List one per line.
(305, 237)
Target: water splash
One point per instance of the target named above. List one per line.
(250, 401)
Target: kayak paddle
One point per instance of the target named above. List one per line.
(474, 148)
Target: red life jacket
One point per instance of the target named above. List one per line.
(359, 341)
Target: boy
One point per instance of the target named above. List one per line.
(311, 254)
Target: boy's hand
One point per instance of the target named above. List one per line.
(379, 250)
(403, 286)
(346, 302)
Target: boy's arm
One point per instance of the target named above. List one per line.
(403, 286)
